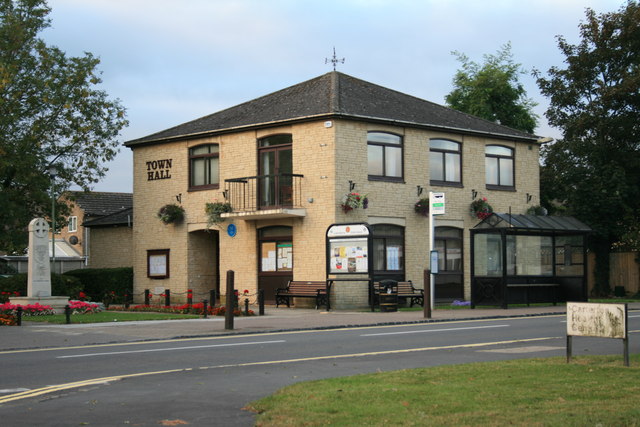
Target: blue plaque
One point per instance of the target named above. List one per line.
(231, 230)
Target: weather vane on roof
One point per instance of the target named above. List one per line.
(334, 60)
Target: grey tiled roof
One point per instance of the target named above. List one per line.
(121, 217)
(335, 95)
(97, 204)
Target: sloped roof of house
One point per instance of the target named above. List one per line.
(121, 217)
(96, 204)
(334, 95)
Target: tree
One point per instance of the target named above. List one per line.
(493, 91)
(594, 170)
(51, 113)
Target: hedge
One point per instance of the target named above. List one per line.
(60, 285)
(105, 284)
(97, 284)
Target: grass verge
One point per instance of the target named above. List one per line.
(108, 316)
(591, 390)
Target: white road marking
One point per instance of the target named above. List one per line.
(434, 330)
(516, 350)
(78, 384)
(13, 390)
(168, 349)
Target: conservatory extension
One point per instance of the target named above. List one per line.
(523, 259)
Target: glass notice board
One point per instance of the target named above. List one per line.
(277, 256)
(348, 255)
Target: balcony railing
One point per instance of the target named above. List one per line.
(264, 192)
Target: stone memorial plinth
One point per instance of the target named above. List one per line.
(39, 270)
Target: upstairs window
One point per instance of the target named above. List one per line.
(204, 167)
(73, 224)
(444, 162)
(384, 152)
(499, 167)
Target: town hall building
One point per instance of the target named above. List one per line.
(277, 171)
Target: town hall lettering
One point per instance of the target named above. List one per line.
(159, 169)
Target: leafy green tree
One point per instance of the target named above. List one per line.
(493, 91)
(594, 170)
(51, 113)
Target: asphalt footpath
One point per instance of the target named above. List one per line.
(38, 335)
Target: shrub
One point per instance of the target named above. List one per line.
(60, 285)
(108, 285)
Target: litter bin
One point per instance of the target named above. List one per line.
(388, 296)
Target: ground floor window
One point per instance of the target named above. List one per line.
(449, 282)
(388, 252)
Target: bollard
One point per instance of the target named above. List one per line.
(261, 302)
(246, 306)
(126, 300)
(67, 313)
(231, 298)
(204, 308)
(146, 297)
(212, 297)
(189, 297)
(427, 294)
(19, 316)
(167, 297)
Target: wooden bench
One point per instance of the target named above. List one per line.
(528, 286)
(405, 290)
(302, 289)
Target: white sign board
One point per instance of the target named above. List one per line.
(596, 320)
(348, 230)
(436, 202)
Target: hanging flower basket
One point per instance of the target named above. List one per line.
(537, 210)
(352, 201)
(214, 210)
(481, 208)
(171, 213)
(422, 206)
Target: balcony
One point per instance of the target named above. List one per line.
(265, 196)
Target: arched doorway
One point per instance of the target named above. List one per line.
(275, 168)
(275, 258)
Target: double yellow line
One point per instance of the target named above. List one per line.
(78, 384)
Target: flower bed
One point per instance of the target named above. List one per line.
(36, 309)
(182, 309)
(83, 307)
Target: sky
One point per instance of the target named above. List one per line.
(172, 61)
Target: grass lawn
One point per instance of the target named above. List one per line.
(108, 316)
(591, 390)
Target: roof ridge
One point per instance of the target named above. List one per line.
(334, 94)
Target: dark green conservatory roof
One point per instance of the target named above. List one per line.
(533, 223)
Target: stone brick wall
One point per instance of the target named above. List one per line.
(110, 247)
(329, 156)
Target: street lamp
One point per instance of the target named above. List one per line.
(53, 172)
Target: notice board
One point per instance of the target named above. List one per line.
(348, 249)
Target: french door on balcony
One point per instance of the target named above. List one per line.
(275, 167)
